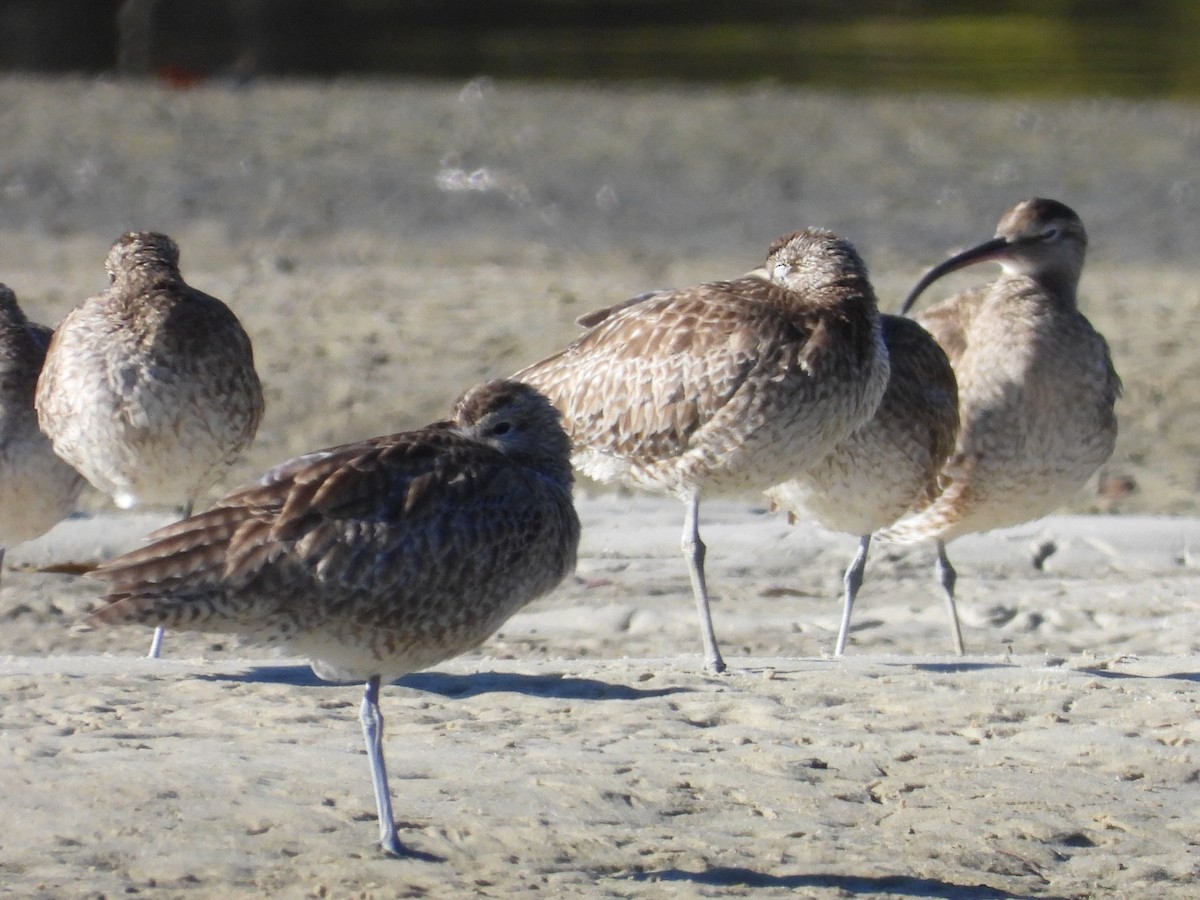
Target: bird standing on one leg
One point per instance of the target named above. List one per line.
(373, 559)
(1036, 385)
(731, 386)
(872, 477)
(37, 489)
(149, 388)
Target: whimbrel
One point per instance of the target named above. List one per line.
(873, 477)
(731, 386)
(149, 387)
(37, 489)
(376, 558)
(1036, 384)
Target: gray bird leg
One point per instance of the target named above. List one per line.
(693, 552)
(372, 725)
(156, 641)
(947, 578)
(852, 582)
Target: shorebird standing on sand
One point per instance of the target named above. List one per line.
(731, 386)
(149, 387)
(872, 478)
(1036, 385)
(373, 559)
(37, 489)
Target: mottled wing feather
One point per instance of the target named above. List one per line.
(596, 316)
(194, 548)
(660, 347)
(348, 521)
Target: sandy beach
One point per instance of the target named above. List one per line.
(387, 245)
(581, 753)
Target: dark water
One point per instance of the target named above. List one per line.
(1006, 47)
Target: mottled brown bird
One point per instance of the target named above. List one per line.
(731, 386)
(873, 477)
(373, 559)
(37, 489)
(149, 388)
(1036, 384)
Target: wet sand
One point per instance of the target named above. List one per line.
(388, 245)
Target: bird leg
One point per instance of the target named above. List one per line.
(156, 641)
(947, 577)
(852, 581)
(694, 551)
(372, 725)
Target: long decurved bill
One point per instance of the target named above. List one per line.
(993, 249)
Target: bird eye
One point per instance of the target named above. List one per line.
(1049, 234)
(501, 428)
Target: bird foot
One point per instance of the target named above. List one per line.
(393, 848)
(390, 844)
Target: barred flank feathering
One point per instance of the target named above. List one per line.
(727, 386)
(376, 558)
(195, 550)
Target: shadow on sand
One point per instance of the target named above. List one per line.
(895, 885)
(1193, 677)
(558, 687)
(950, 668)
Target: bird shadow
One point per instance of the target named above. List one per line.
(550, 686)
(557, 687)
(894, 885)
(298, 676)
(1192, 677)
(954, 667)
(415, 855)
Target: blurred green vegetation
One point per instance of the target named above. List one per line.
(1112, 47)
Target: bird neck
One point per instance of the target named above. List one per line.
(1049, 288)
